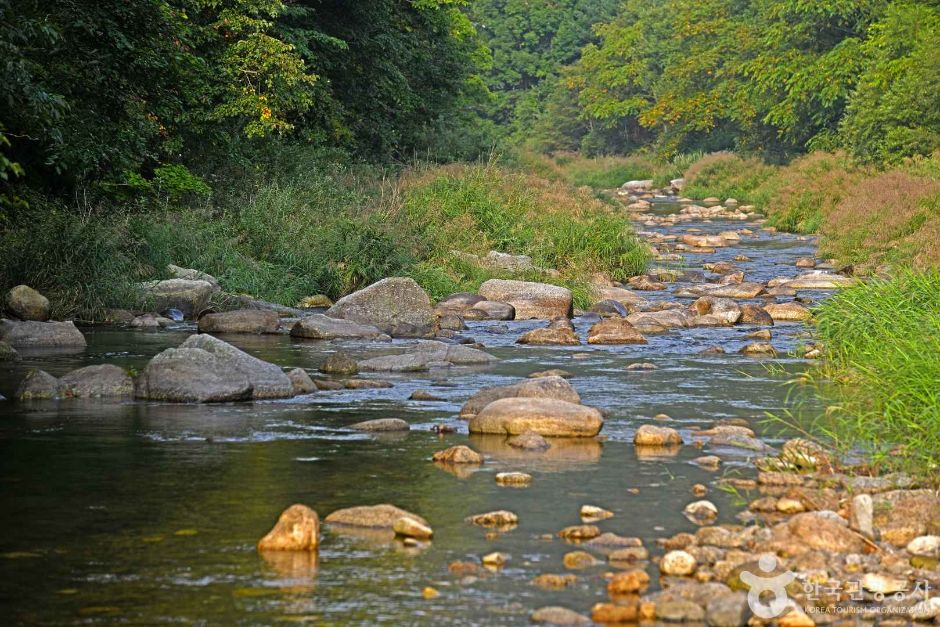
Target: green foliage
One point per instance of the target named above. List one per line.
(776, 77)
(882, 341)
(893, 113)
(176, 182)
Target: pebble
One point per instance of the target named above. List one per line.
(679, 563)
(495, 559)
(927, 546)
(628, 582)
(576, 560)
(411, 528)
(701, 512)
(579, 532)
(592, 513)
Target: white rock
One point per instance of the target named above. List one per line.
(677, 563)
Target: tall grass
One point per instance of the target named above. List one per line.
(606, 172)
(328, 229)
(879, 378)
(472, 209)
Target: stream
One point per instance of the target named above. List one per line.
(146, 513)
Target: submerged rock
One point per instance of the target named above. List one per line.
(381, 424)
(530, 300)
(529, 441)
(8, 353)
(27, 304)
(427, 355)
(297, 529)
(31, 334)
(545, 416)
(513, 478)
(396, 305)
(557, 615)
(496, 518)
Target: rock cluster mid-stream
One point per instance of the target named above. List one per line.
(494, 458)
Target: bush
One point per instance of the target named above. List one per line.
(879, 378)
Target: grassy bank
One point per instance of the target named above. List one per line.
(879, 378)
(329, 229)
(865, 216)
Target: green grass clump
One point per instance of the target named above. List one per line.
(456, 211)
(882, 365)
(726, 175)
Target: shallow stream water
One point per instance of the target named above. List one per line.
(148, 513)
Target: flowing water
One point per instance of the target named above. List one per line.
(146, 513)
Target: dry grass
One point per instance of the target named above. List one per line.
(892, 218)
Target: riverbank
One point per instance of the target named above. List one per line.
(329, 230)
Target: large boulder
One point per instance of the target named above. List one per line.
(101, 381)
(320, 327)
(530, 300)
(545, 416)
(559, 331)
(614, 331)
(543, 387)
(27, 304)
(819, 531)
(32, 334)
(240, 321)
(191, 296)
(206, 369)
(396, 305)
(427, 355)
(267, 380)
(191, 375)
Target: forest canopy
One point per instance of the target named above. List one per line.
(118, 96)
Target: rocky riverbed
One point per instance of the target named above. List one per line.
(614, 469)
